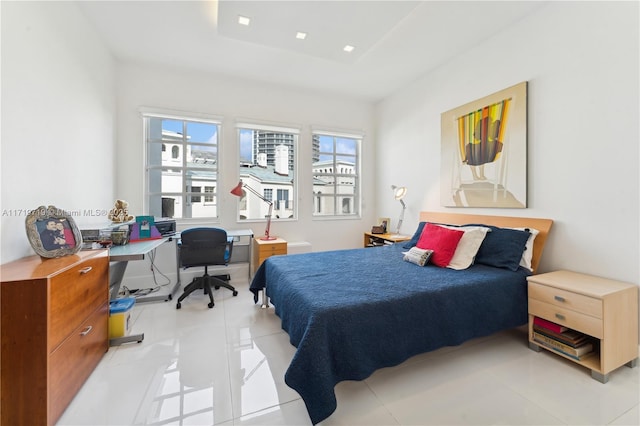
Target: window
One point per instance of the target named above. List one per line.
(336, 176)
(268, 194)
(195, 190)
(209, 194)
(283, 198)
(182, 160)
(268, 166)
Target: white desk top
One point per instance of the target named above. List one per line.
(135, 250)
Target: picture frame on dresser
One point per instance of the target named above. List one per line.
(52, 232)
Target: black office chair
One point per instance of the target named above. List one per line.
(205, 247)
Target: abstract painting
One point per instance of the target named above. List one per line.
(484, 151)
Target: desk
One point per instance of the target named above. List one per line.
(119, 256)
(137, 250)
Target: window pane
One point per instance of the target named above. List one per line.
(204, 133)
(335, 175)
(267, 167)
(182, 161)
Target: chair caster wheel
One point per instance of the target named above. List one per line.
(178, 305)
(211, 305)
(235, 293)
(217, 287)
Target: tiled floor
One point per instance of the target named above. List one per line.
(200, 366)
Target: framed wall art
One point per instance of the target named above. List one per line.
(52, 233)
(484, 151)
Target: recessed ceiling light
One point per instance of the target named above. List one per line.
(348, 48)
(243, 20)
(300, 35)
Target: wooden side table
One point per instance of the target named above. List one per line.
(263, 249)
(375, 240)
(604, 309)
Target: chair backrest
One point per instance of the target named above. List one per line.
(204, 246)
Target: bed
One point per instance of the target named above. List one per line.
(351, 312)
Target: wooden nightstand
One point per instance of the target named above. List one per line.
(266, 248)
(604, 309)
(374, 240)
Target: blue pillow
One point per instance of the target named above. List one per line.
(502, 248)
(416, 236)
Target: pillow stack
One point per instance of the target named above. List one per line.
(459, 247)
(453, 247)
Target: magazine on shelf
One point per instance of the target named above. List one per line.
(577, 358)
(570, 337)
(566, 349)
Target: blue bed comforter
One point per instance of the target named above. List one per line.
(351, 312)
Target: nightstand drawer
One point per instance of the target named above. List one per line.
(273, 249)
(567, 317)
(566, 299)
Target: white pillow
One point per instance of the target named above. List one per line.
(418, 256)
(468, 246)
(527, 254)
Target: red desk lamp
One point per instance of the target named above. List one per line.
(239, 192)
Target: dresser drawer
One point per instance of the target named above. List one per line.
(267, 250)
(75, 293)
(585, 323)
(74, 360)
(566, 299)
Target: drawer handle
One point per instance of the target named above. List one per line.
(86, 330)
(559, 298)
(561, 317)
(85, 270)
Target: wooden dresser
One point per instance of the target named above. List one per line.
(53, 323)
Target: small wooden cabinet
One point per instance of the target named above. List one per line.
(598, 307)
(54, 328)
(374, 240)
(263, 249)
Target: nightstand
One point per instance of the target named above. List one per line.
(375, 240)
(263, 249)
(603, 309)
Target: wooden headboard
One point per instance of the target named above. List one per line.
(542, 225)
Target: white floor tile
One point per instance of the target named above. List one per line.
(257, 370)
(358, 405)
(226, 366)
(290, 413)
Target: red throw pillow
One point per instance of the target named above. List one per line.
(442, 241)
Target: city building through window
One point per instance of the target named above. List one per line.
(181, 161)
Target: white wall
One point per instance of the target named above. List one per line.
(581, 62)
(58, 117)
(580, 58)
(233, 99)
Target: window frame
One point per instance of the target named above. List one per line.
(267, 190)
(330, 171)
(185, 117)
